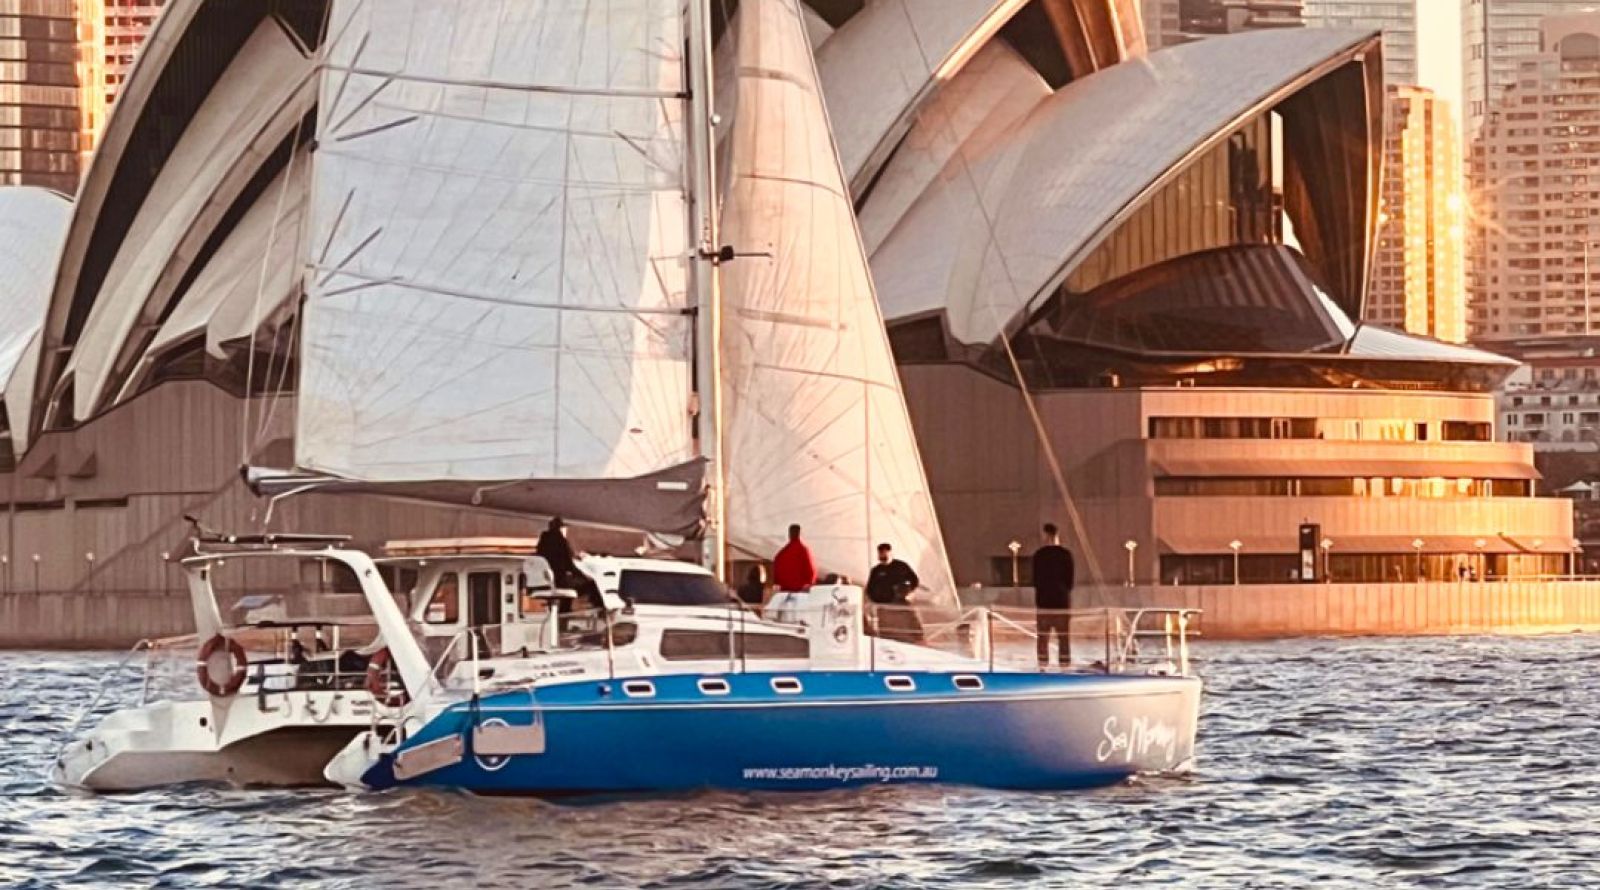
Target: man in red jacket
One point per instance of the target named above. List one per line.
(793, 569)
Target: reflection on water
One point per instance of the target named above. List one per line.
(1426, 763)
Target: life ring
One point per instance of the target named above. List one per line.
(202, 665)
(378, 681)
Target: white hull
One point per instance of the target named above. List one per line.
(233, 741)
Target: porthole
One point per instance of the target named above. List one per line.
(713, 686)
(639, 689)
(969, 683)
(900, 683)
(786, 686)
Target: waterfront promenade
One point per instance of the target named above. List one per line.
(118, 619)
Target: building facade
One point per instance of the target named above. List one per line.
(1497, 35)
(40, 118)
(1171, 22)
(1397, 19)
(1537, 200)
(1045, 223)
(112, 32)
(1419, 274)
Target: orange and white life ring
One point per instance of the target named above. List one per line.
(378, 681)
(236, 654)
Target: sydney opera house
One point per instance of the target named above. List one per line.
(1121, 287)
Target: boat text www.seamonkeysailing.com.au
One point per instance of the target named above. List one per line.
(865, 772)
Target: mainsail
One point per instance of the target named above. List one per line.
(817, 430)
(496, 307)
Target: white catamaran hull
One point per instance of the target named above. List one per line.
(235, 741)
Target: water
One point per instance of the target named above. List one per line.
(1372, 763)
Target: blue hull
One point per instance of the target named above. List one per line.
(1021, 731)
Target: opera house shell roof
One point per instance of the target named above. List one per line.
(996, 150)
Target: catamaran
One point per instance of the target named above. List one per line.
(547, 272)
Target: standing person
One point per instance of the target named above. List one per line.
(753, 592)
(793, 569)
(889, 584)
(556, 550)
(1052, 594)
(891, 579)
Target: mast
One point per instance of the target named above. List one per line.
(704, 281)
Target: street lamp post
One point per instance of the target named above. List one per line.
(1236, 545)
(5, 567)
(1016, 548)
(1417, 545)
(1327, 566)
(1538, 548)
(1483, 563)
(36, 574)
(1131, 545)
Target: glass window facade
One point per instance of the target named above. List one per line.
(1330, 486)
(1338, 429)
(39, 100)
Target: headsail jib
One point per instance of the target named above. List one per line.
(817, 430)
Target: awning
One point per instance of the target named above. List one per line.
(1213, 544)
(1246, 468)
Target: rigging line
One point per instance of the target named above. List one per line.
(499, 301)
(539, 88)
(246, 441)
(1052, 459)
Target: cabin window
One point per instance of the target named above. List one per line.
(445, 606)
(643, 588)
(704, 645)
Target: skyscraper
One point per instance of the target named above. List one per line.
(39, 112)
(1496, 34)
(1538, 205)
(112, 32)
(1169, 22)
(1397, 19)
(1418, 279)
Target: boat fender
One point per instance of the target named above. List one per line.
(202, 665)
(378, 683)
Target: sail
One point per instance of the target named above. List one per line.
(497, 258)
(817, 431)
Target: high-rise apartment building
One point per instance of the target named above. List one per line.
(112, 32)
(1496, 36)
(39, 111)
(1419, 273)
(1397, 19)
(1538, 203)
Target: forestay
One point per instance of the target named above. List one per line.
(817, 429)
(497, 262)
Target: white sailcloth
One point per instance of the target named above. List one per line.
(498, 249)
(817, 429)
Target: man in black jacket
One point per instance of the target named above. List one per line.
(1052, 596)
(889, 583)
(555, 550)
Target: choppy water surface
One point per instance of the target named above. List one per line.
(1394, 763)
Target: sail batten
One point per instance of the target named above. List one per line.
(817, 432)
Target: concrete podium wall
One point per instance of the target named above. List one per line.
(1256, 611)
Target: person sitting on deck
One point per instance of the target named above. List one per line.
(556, 550)
(793, 569)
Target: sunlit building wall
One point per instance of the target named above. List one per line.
(1419, 278)
(1538, 202)
(39, 117)
(112, 32)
